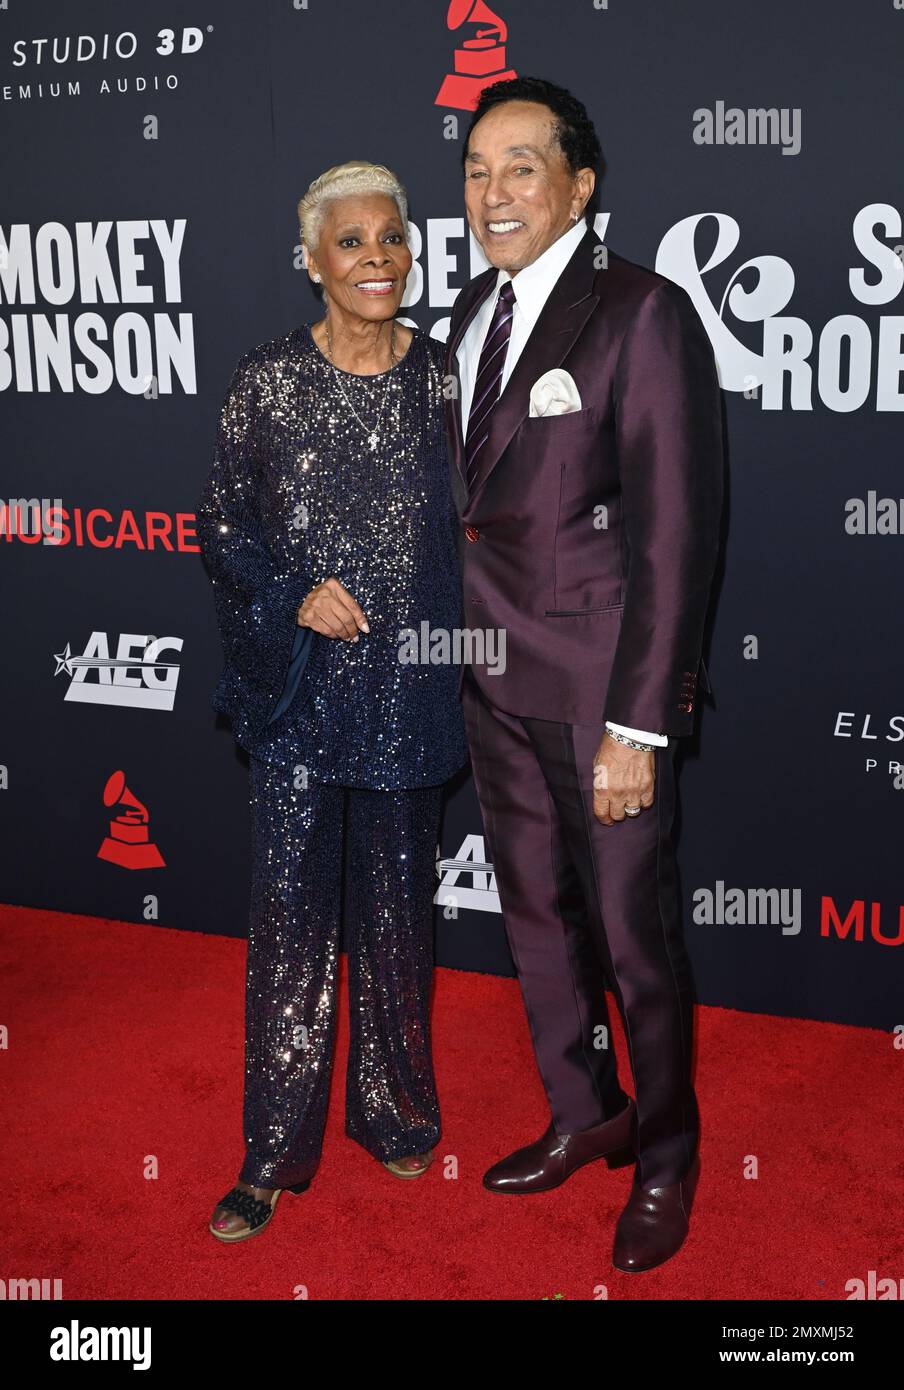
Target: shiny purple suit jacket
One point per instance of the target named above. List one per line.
(591, 537)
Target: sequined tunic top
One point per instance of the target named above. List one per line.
(297, 494)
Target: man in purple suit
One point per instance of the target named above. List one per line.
(586, 444)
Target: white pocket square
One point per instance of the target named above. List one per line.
(554, 393)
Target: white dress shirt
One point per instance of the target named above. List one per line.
(532, 287)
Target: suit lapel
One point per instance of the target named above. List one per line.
(476, 292)
(571, 301)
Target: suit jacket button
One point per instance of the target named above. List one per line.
(472, 533)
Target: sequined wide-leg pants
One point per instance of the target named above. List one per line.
(305, 843)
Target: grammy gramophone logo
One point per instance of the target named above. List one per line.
(128, 844)
(479, 58)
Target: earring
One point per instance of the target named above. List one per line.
(316, 278)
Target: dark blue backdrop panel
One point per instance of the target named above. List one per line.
(789, 786)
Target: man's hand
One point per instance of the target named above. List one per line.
(622, 777)
(330, 609)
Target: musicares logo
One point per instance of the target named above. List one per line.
(47, 521)
(855, 922)
(480, 59)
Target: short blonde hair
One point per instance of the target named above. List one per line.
(357, 176)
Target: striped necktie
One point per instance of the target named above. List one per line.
(489, 377)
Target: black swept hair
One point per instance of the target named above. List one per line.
(573, 128)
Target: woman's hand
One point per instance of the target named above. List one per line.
(330, 609)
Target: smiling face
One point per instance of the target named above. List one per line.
(362, 256)
(519, 191)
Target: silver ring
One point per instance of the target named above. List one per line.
(633, 810)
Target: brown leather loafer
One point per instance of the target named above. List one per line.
(654, 1223)
(554, 1157)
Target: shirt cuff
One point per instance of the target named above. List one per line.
(660, 740)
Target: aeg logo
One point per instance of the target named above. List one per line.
(482, 895)
(135, 676)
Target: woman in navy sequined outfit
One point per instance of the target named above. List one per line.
(329, 534)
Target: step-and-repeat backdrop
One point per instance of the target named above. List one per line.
(153, 154)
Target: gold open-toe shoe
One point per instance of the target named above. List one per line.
(410, 1167)
(255, 1214)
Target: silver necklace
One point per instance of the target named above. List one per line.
(373, 433)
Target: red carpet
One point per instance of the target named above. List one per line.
(126, 1041)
